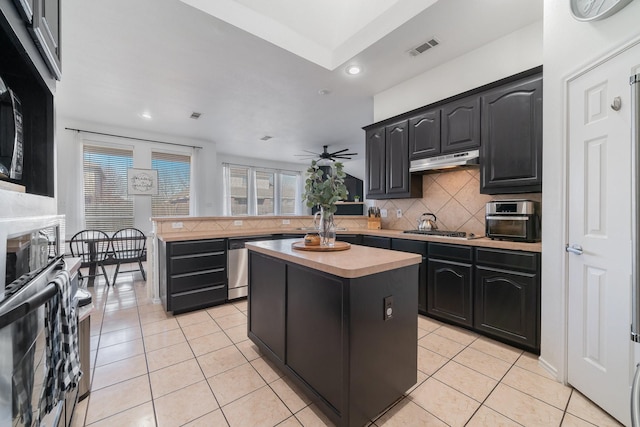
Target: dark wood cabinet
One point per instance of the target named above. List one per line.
(387, 163)
(451, 128)
(376, 166)
(450, 283)
(376, 242)
(511, 154)
(420, 248)
(507, 296)
(461, 125)
(336, 343)
(46, 33)
(424, 134)
(193, 274)
(268, 278)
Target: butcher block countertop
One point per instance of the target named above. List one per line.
(357, 261)
(242, 232)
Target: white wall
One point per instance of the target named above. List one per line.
(511, 54)
(69, 169)
(569, 46)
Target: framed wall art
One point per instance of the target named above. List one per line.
(142, 182)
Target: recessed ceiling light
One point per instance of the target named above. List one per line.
(353, 69)
(146, 115)
(324, 92)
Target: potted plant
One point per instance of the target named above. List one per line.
(324, 187)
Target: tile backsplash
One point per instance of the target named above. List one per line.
(453, 197)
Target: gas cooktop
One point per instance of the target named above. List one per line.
(443, 233)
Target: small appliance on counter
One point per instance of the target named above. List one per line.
(515, 220)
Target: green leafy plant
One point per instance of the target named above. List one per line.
(324, 189)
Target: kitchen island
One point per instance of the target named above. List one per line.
(342, 325)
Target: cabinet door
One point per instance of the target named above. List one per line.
(375, 163)
(511, 154)
(397, 161)
(449, 291)
(420, 248)
(424, 135)
(46, 32)
(461, 125)
(507, 306)
(376, 242)
(267, 284)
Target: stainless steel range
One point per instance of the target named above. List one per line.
(443, 233)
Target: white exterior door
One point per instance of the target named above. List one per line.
(599, 302)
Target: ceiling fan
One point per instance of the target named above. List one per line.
(325, 155)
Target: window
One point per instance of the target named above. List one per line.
(260, 191)
(238, 190)
(174, 178)
(106, 204)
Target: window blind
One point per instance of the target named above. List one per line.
(174, 184)
(106, 204)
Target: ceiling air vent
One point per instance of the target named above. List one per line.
(195, 115)
(424, 47)
(266, 138)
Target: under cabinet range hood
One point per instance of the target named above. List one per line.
(446, 161)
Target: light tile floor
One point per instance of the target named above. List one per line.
(151, 368)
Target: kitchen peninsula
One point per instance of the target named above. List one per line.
(342, 325)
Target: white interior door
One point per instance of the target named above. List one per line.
(599, 347)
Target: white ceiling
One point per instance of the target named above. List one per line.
(122, 57)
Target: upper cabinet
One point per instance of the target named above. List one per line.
(453, 127)
(503, 119)
(46, 33)
(387, 163)
(511, 154)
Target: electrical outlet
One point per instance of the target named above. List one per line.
(286, 221)
(237, 222)
(388, 308)
(383, 213)
(176, 225)
(399, 213)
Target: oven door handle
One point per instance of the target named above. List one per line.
(29, 305)
(507, 217)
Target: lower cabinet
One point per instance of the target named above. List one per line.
(376, 242)
(193, 274)
(449, 284)
(507, 296)
(329, 336)
(420, 248)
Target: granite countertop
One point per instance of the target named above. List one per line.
(481, 242)
(356, 261)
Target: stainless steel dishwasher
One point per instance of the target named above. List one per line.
(238, 265)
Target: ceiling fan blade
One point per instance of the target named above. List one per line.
(338, 152)
(311, 152)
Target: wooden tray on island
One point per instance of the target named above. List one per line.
(339, 246)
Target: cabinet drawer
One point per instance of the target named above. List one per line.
(512, 260)
(193, 263)
(199, 298)
(197, 246)
(451, 252)
(202, 279)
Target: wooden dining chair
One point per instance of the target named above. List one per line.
(128, 245)
(93, 248)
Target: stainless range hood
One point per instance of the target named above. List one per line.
(446, 161)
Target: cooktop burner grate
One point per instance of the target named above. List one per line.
(443, 233)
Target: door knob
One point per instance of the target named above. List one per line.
(574, 249)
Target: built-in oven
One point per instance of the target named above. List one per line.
(23, 351)
(515, 220)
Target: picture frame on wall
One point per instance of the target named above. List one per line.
(142, 182)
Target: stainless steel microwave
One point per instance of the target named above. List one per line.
(516, 220)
